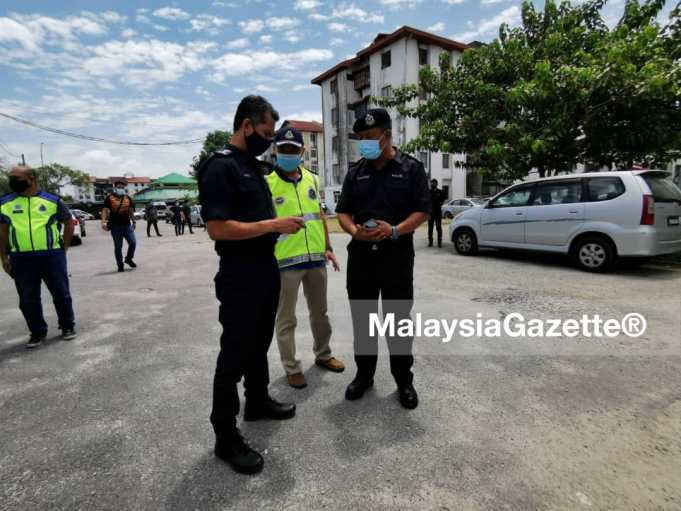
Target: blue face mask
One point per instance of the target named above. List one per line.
(370, 149)
(288, 162)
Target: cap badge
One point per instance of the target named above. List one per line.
(369, 120)
(289, 135)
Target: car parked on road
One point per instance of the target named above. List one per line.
(138, 215)
(594, 217)
(78, 230)
(161, 209)
(82, 215)
(455, 206)
(196, 215)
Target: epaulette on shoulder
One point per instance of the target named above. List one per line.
(7, 197)
(49, 196)
(222, 152)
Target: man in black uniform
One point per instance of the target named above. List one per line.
(384, 199)
(437, 198)
(238, 211)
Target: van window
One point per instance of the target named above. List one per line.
(517, 197)
(558, 192)
(604, 188)
(664, 190)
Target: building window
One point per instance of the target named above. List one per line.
(387, 91)
(385, 59)
(423, 156)
(334, 86)
(334, 147)
(334, 116)
(313, 139)
(313, 154)
(336, 173)
(314, 168)
(445, 160)
(423, 56)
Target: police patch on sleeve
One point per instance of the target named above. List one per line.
(311, 193)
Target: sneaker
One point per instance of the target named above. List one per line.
(68, 334)
(35, 341)
(130, 263)
(235, 450)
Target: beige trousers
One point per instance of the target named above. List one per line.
(314, 288)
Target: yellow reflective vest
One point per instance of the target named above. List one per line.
(298, 199)
(33, 222)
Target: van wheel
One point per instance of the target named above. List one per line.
(465, 242)
(448, 215)
(594, 253)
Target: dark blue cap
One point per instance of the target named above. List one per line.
(288, 135)
(374, 118)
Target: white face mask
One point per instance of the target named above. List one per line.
(119, 191)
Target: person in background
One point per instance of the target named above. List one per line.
(437, 198)
(236, 204)
(151, 214)
(118, 218)
(33, 251)
(187, 214)
(302, 256)
(176, 209)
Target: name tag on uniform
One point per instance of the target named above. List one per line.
(363, 177)
(398, 176)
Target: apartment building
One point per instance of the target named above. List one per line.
(391, 61)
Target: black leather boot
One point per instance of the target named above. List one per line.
(234, 450)
(268, 409)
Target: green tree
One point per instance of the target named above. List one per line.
(215, 140)
(559, 90)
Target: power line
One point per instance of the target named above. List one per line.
(95, 139)
(8, 151)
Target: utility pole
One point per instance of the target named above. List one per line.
(23, 160)
(42, 163)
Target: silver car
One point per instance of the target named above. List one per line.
(594, 217)
(454, 207)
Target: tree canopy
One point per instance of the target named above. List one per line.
(561, 89)
(215, 140)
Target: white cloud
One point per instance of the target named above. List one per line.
(252, 26)
(265, 39)
(336, 41)
(282, 23)
(160, 28)
(307, 5)
(459, 2)
(493, 2)
(202, 91)
(489, 27)
(238, 43)
(307, 115)
(145, 63)
(128, 33)
(400, 4)
(304, 86)
(292, 36)
(113, 17)
(355, 13)
(437, 27)
(338, 27)
(206, 22)
(264, 88)
(239, 64)
(13, 31)
(319, 17)
(171, 13)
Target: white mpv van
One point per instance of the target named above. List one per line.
(594, 217)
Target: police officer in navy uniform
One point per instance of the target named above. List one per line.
(384, 199)
(238, 211)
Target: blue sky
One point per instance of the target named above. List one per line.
(162, 71)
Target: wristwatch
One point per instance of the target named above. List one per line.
(395, 235)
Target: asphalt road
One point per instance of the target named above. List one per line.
(118, 418)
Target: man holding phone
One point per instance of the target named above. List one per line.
(384, 199)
